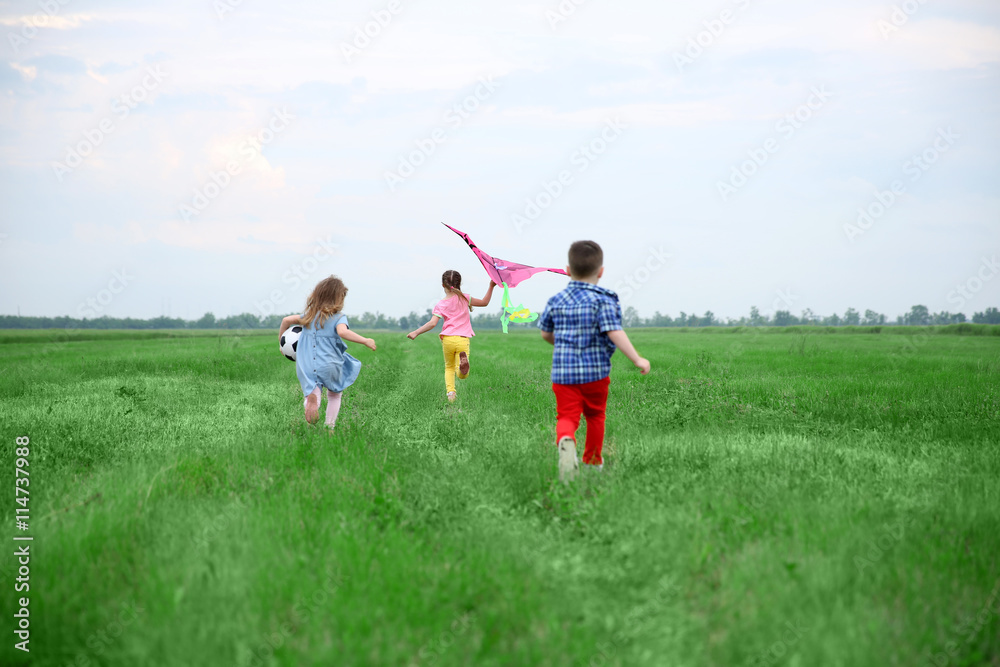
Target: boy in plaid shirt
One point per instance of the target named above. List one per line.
(584, 323)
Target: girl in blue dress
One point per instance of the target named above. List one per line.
(321, 358)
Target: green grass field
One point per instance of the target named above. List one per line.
(799, 499)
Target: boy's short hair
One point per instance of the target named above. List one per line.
(585, 258)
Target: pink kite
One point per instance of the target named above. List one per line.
(501, 271)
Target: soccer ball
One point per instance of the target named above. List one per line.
(289, 342)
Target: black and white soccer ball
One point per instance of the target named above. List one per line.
(289, 343)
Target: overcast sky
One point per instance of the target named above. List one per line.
(720, 152)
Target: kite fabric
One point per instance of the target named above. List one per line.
(512, 313)
(501, 271)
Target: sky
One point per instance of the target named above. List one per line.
(183, 157)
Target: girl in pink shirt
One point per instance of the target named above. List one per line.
(454, 309)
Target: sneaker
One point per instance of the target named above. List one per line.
(463, 363)
(568, 465)
(452, 396)
(590, 470)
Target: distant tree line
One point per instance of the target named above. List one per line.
(377, 320)
(918, 316)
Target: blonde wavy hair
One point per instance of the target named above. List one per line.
(326, 300)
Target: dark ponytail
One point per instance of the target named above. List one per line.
(452, 281)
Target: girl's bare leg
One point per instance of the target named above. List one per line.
(312, 405)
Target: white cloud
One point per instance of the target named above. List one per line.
(678, 114)
(29, 73)
(51, 22)
(944, 44)
(326, 174)
(924, 41)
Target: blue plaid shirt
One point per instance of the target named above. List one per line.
(581, 317)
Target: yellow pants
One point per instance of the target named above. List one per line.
(453, 346)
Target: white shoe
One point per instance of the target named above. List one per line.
(568, 465)
(452, 396)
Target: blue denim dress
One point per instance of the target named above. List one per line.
(322, 359)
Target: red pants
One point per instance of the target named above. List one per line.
(592, 400)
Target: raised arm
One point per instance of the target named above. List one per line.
(485, 301)
(344, 332)
(431, 323)
(289, 321)
(620, 338)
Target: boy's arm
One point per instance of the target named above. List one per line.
(344, 332)
(485, 301)
(548, 325)
(289, 321)
(620, 339)
(431, 323)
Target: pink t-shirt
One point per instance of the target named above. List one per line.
(455, 313)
